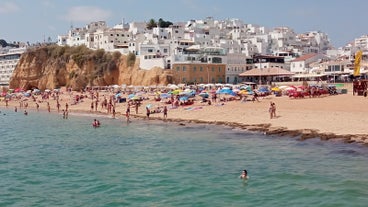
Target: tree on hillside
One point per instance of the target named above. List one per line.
(151, 24)
(3, 43)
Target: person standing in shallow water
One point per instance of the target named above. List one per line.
(148, 112)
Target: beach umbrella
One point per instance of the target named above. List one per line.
(245, 88)
(17, 90)
(149, 106)
(130, 96)
(136, 98)
(235, 90)
(243, 92)
(174, 87)
(117, 95)
(184, 98)
(276, 89)
(165, 95)
(225, 91)
(176, 92)
(203, 95)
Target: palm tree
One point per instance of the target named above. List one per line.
(151, 24)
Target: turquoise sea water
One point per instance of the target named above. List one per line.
(48, 161)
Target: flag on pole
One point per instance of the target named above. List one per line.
(358, 58)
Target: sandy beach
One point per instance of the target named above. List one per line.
(342, 116)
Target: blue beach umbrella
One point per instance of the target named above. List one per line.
(225, 91)
(204, 95)
(117, 95)
(130, 96)
(183, 98)
(165, 95)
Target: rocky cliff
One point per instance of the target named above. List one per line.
(78, 67)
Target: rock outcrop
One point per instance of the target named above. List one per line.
(53, 67)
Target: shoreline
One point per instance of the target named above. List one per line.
(340, 117)
(268, 129)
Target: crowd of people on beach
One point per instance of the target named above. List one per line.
(107, 101)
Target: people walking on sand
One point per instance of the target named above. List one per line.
(165, 112)
(96, 104)
(272, 110)
(25, 112)
(136, 107)
(92, 106)
(15, 109)
(255, 97)
(48, 107)
(66, 106)
(37, 106)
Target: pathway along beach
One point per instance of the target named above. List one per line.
(342, 117)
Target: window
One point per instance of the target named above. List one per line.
(194, 68)
(201, 79)
(177, 68)
(184, 68)
(213, 69)
(219, 69)
(150, 50)
(200, 68)
(165, 50)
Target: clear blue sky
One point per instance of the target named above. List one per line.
(32, 20)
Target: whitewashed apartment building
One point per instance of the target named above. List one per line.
(9, 59)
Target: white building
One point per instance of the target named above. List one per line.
(237, 64)
(112, 39)
(361, 42)
(301, 65)
(8, 62)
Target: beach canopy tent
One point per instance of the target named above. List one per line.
(256, 72)
(308, 76)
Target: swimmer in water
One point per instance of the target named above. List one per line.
(244, 175)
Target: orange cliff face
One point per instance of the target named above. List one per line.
(54, 67)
